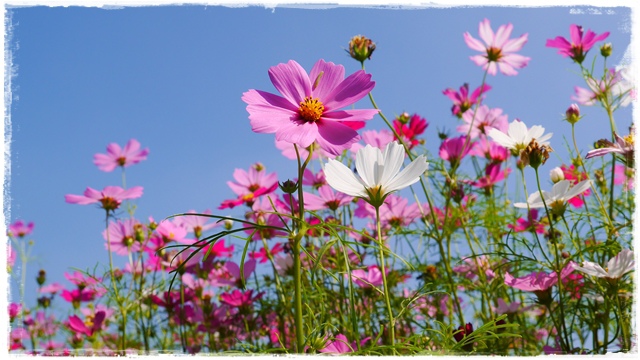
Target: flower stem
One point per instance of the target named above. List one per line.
(381, 246)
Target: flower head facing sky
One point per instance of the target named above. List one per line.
(498, 50)
(117, 156)
(20, 229)
(518, 136)
(621, 264)
(378, 173)
(309, 108)
(579, 45)
(462, 101)
(556, 200)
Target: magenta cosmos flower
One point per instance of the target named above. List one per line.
(117, 156)
(498, 50)
(462, 101)
(20, 229)
(309, 108)
(579, 45)
(110, 198)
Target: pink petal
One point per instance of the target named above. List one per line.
(132, 146)
(291, 81)
(502, 35)
(473, 43)
(486, 33)
(514, 45)
(351, 115)
(267, 112)
(335, 137)
(350, 90)
(332, 76)
(299, 133)
(79, 199)
(576, 34)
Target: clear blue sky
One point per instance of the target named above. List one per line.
(172, 77)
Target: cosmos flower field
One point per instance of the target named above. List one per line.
(377, 247)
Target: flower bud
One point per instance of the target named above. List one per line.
(288, 187)
(42, 277)
(572, 115)
(228, 224)
(556, 174)
(463, 332)
(404, 118)
(361, 48)
(606, 49)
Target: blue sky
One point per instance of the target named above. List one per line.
(172, 77)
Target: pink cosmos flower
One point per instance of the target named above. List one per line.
(80, 280)
(453, 150)
(14, 310)
(472, 265)
(233, 271)
(110, 198)
(117, 156)
(121, 237)
(264, 214)
(369, 278)
(314, 180)
(538, 282)
(493, 175)
(339, 345)
(195, 223)
(462, 101)
(572, 174)
(326, 199)
(76, 325)
(11, 257)
(498, 50)
(529, 224)
(485, 120)
(52, 288)
(624, 176)
(580, 43)
(379, 139)
(309, 108)
(20, 229)
(250, 185)
(409, 129)
(168, 231)
(288, 150)
(394, 212)
(261, 255)
(623, 146)
(490, 150)
(238, 298)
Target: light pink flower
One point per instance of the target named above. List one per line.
(309, 108)
(462, 101)
(485, 120)
(623, 146)
(326, 199)
(472, 265)
(233, 271)
(121, 237)
(110, 198)
(250, 185)
(20, 229)
(379, 139)
(51, 288)
(498, 50)
(196, 223)
(314, 180)
(490, 150)
(580, 43)
(538, 281)
(624, 176)
(117, 156)
(493, 175)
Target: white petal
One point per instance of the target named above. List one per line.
(501, 138)
(621, 264)
(393, 160)
(591, 269)
(343, 179)
(368, 163)
(559, 190)
(578, 189)
(409, 175)
(518, 132)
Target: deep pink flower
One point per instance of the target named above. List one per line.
(485, 120)
(14, 310)
(498, 50)
(572, 174)
(580, 43)
(453, 150)
(110, 198)
(409, 128)
(529, 224)
(462, 101)
(261, 255)
(238, 298)
(233, 273)
(339, 345)
(20, 229)
(326, 199)
(250, 185)
(76, 325)
(492, 176)
(76, 296)
(462, 332)
(367, 279)
(309, 108)
(81, 280)
(117, 156)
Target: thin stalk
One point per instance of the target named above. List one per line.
(392, 321)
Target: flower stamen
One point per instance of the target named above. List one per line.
(311, 109)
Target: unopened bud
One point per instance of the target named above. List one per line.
(288, 187)
(572, 115)
(606, 49)
(535, 154)
(42, 277)
(361, 48)
(228, 224)
(556, 175)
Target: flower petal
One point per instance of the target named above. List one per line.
(343, 179)
(291, 81)
(350, 90)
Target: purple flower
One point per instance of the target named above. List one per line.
(117, 156)
(462, 101)
(309, 108)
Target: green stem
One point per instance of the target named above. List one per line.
(392, 321)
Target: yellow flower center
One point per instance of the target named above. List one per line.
(311, 109)
(629, 139)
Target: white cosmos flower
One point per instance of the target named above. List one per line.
(518, 136)
(378, 173)
(557, 198)
(616, 267)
